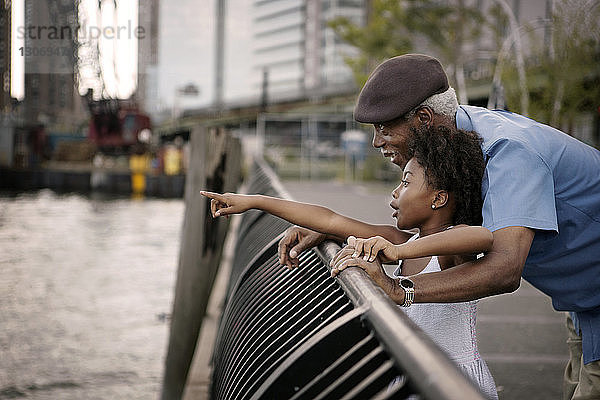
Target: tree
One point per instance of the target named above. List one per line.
(383, 36)
(449, 28)
(563, 68)
(392, 27)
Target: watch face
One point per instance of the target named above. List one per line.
(407, 283)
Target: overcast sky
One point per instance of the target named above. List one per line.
(186, 49)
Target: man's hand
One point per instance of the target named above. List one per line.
(370, 248)
(294, 242)
(344, 259)
(227, 203)
(345, 252)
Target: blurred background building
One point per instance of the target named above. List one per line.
(295, 52)
(51, 96)
(147, 88)
(5, 58)
(239, 62)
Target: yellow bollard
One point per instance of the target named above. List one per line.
(138, 164)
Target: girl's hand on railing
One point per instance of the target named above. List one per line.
(227, 203)
(374, 269)
(370, 248)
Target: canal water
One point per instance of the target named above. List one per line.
(86, 289)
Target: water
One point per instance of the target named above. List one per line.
(85, 285)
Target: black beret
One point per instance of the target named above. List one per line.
(397, 86)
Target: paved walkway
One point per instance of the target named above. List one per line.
(520, 336)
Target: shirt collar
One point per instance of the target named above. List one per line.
(463, 121)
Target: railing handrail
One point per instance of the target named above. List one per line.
(436, 376)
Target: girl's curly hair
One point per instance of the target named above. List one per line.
(452, 160)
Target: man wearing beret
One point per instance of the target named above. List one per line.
(541, 200)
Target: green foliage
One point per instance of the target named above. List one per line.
(448, 27)
(563, 75)
(498, 23)
(393, 26)
(385, 35)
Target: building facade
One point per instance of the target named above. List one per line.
(147, 89)
(50, 33)
(5, 56)
(293, 48)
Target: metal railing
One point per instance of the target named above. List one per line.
(300, 334)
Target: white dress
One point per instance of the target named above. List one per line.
(452, 327)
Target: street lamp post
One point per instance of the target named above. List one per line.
(189, 90)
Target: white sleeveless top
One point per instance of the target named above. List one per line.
(452, 328)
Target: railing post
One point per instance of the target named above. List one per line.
(214, 165)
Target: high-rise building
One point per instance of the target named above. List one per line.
(5, 55)
(50, 34)
(147, 89)
(295, 49)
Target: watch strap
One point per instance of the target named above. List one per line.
(409, 291)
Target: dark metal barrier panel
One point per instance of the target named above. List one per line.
(257, 229)
(300, 334)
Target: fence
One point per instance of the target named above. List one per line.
(300, 334)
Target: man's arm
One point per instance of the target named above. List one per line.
(499, 271)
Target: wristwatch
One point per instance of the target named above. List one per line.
(409, 291)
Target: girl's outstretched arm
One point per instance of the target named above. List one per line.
(311, 216)
(462, 239)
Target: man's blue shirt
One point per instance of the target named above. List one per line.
(541, 178)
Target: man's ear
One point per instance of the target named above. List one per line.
(425, 116)
(441, 199)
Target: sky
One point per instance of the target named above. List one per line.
(186, 50)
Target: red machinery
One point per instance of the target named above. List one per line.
(113, 126)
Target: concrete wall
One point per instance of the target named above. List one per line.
(214, 165)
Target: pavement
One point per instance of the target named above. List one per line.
(520, 336)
